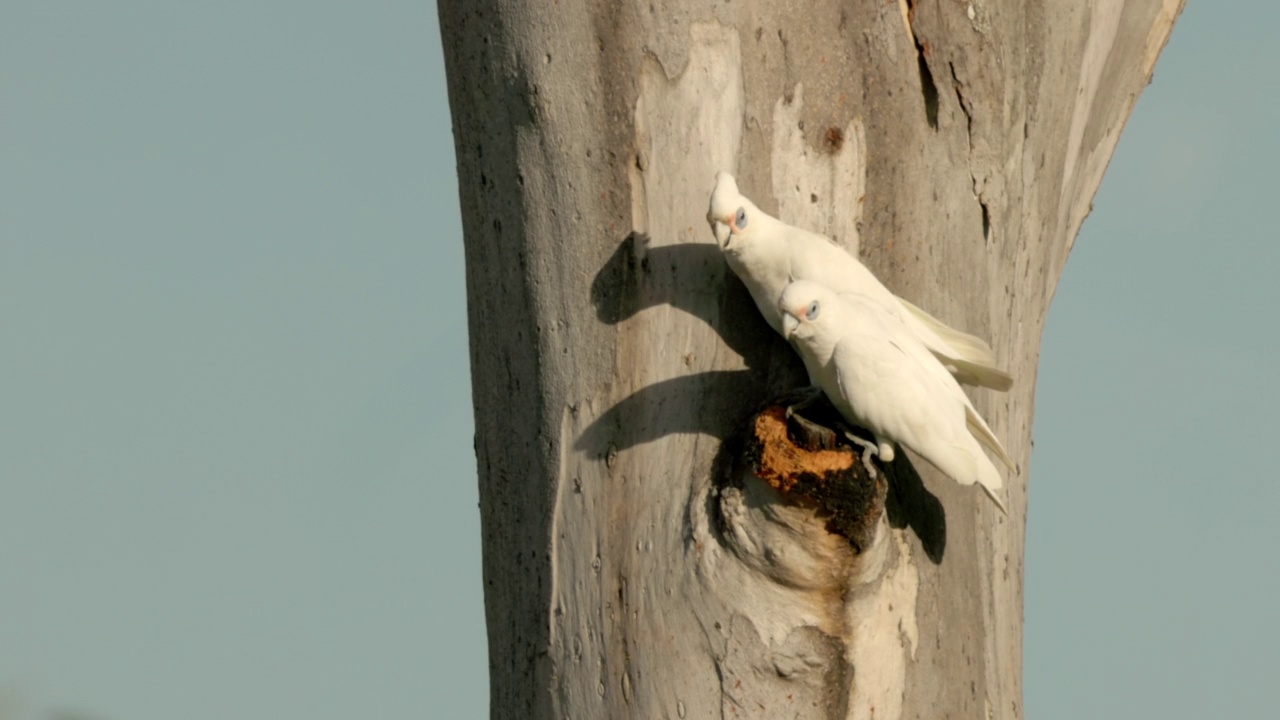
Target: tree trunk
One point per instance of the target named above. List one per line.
(632, 568)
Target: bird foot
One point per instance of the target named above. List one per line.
(869, 449)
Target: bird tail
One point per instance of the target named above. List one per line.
(971, 373)
(970, 464)
(968, 357)
(991, 493)
(982, 433)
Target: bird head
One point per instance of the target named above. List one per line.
(731, 215)
(802, 304)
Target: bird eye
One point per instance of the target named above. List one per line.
(812, 312)
(740, 218)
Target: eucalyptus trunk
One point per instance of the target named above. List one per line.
(954, 147)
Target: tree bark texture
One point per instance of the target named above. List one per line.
(631, 569)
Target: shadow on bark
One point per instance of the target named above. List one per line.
(910, 504)
(708, 403)
(693, 278)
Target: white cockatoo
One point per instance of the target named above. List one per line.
(881, 377)
(767, 254)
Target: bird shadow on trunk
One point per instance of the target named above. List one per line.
(693, 278)
(910, 504)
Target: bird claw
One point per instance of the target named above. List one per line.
(869, 448)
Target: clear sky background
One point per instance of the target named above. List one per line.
(236, 476)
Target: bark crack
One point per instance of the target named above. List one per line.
(968, 116)
(927, 86)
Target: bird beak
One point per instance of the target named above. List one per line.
(722, 231)
(789, 324)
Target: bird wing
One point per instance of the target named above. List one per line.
(869, 393)
(931, 385)
(967, 346)
(815, 257)
(926, 359)
(905, 402)
(969, 357)
(879, 373)
(946, 382)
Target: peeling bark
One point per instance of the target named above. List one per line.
(634, 565)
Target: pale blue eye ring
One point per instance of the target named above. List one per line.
(812, 312)
(740, 218)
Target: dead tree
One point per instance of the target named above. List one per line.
(638, 563)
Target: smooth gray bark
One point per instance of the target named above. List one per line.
(954, 146)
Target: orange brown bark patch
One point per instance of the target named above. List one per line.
(781, 463)
(833, 482)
